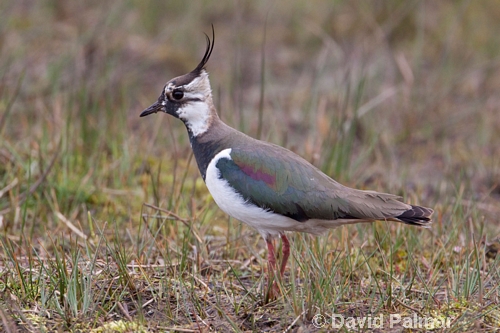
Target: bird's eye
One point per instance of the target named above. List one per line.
(177, 94)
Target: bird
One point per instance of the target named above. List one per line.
(264, 185)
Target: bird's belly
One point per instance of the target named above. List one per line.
(268, 224)
(233, 203)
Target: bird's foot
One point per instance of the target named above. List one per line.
(273, 291)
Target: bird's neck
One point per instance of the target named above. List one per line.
(218, 137)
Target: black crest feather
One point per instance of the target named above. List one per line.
(208, 53)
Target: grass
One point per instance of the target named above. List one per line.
(106, 225)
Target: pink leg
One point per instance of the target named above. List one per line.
(273, 290)
(286, 253)
(271, 256)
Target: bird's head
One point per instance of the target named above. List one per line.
(189, 97)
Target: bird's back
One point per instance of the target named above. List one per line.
(276, 179)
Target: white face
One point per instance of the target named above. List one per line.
(196, 116)
(194, 103)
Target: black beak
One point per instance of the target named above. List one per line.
(152, 109)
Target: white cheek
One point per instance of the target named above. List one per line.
(196, 115)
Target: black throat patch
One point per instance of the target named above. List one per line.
(204, 152)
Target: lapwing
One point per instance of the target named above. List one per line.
(264, 185)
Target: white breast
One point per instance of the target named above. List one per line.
(267, 223)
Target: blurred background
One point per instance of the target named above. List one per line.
(398, 93)
(393, 96)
